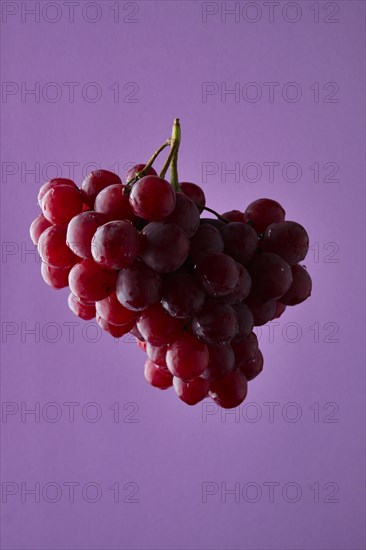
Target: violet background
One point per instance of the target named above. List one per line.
(171, 451)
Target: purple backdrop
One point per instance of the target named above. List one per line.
(270, 97)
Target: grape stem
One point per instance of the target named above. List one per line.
(172, 159)
(176, 137)
(149, 163)
(212, 212)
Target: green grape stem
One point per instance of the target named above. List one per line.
(149, 163)
(176, 138)
(173, 156)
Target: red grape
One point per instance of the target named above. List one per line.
(138, 168)
(253, 367)
(91, 282)
(61, 203)
(218, 274)
(191, 392)
(37, 227)
(215, 323)
(300, 288)
(138, 286)
(287, 239)
(245, 320)
(262, 212)
(195, 193)
(112, 311)
(152, 198)
(182, 296)
(221, 362)
(82, 310)
(187, 357)
(235, 216)
(241, 290)
(136, 333)
(80, 232)
(280, 308)
(53, 249)
(157, 327)
(157, 354)
(206, 241)
(164, 246)
(116, 244)
(185, 214)
(140, 344)
(114, 330)
(157, 377)
(271, 276)
(262, 312)
(245, 349)
(230, 391)
(240, 241)
(114, 204)
(95, 182)
(51, 184)
(56, 277)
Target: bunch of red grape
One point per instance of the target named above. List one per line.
(140, 259)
